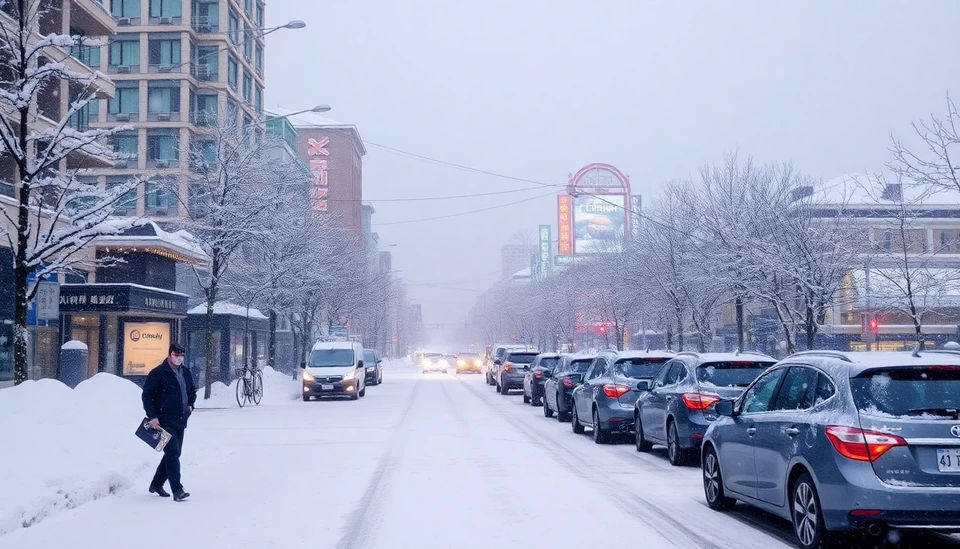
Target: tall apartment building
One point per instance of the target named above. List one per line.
(180, 67)
(515, 258)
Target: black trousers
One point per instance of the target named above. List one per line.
(169, 468)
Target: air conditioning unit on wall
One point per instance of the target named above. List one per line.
(166, 20)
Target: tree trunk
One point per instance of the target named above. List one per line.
(272, 341)
(679, 330)
(211, 294)
(811, 328)
(20, 324)
(21, 270)
(738, 304)
(669, 335)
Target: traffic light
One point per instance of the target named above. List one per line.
(603, 328)
(874, 324)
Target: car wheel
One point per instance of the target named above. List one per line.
(713, 483)
(526, 399)
(599, 435)
(547, 412)
(306, 398)
(643, 445)
(561, 416)
(808, 516)
(504, 390)
(677, 455)
(575, 421)
(363, 392)
(379, 378)
(355, 396)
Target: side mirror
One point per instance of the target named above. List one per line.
(576, 378)
(643, 385)
(724, 408)
(526, 367)
(303, 365)
(359, 364)
(497, 362)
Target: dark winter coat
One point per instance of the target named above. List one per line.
(162, 398)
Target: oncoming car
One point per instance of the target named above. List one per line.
(334, 368)
(434, 362)
(469, 362)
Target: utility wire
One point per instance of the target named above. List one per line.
(431, 198)
(463, 213)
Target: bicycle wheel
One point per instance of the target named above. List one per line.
(242, 391)
(257, 388)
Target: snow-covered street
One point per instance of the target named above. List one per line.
(422, 461)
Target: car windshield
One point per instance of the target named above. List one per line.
(738, 373)
(432, 356)
(639, 367)
(369, 357)
(524, 358)
(469, 357)
(329, 358)
(548, 363)
(909, 391)
(580, 366)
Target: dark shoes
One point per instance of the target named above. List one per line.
(180, 496)
(159, 491)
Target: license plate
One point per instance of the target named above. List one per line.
(949, 460)
(326, 387)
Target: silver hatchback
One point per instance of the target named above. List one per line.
(838, 442)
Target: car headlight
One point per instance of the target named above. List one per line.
(307, 376)
(477, 363)
(442, 363)
(461, 362)
(350, 375)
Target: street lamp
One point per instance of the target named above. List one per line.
(295, 24)
(317, 109)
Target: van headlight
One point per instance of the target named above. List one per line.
(350, 375)
(307, 376)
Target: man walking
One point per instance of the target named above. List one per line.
(168, 397)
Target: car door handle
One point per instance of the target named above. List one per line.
(751, 431)
(792, 431)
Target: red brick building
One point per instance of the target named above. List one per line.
(334, 154)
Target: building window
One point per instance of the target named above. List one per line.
(233, 27)
(125, 8)
(163, 100)
(258, 99)
(248, 44)
(259, 15)
(198, 201)
(258, 59)
(206, 17)
(232, 72)
(126, 145)
(233, 113)
(159, 197)
(166, 8)
(203, 155)
(162, 149)
(207, 63)
(248, 7)
(205, 110)
(125, 51)
(127, 203)
(88, 55)
(8, 171)
(247, 87)
(90, 112)
(125, 102)
(164, 51)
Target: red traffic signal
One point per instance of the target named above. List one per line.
(602, 329)
(874, 324)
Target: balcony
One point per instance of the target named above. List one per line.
(92, 17)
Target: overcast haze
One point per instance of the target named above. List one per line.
(537, 89)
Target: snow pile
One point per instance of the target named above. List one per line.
(62, 448)
(278, 388)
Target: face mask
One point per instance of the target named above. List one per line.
(178, 360)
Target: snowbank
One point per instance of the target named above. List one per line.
(62, 448)
(278, 388)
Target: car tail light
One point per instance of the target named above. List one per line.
(538, 374)
(567, 382)
(860, 444)
(699, 401)
(507, 366)
(614, 390)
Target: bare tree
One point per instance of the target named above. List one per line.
(57, 215)
(939, 166)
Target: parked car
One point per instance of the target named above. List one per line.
(558, 388)
(433, 362)
(540, 369)
(493, 371)
(607, 398)
(334, 368)
(511, 369)
(373, 363)
(469, 362)
(838, 441)
(676, 408)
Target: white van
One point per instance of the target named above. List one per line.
(334, 368)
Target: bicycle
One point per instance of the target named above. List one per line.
(249, 385)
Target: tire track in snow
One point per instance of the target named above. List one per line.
(362, 524)
(644, 510)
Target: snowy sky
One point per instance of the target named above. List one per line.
(538, 88)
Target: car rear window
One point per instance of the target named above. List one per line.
(640, 367)
(522, 358)
(580, 366)
(932, 391)
(549, 362)
(738, 373)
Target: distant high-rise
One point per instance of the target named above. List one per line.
(515, 258)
